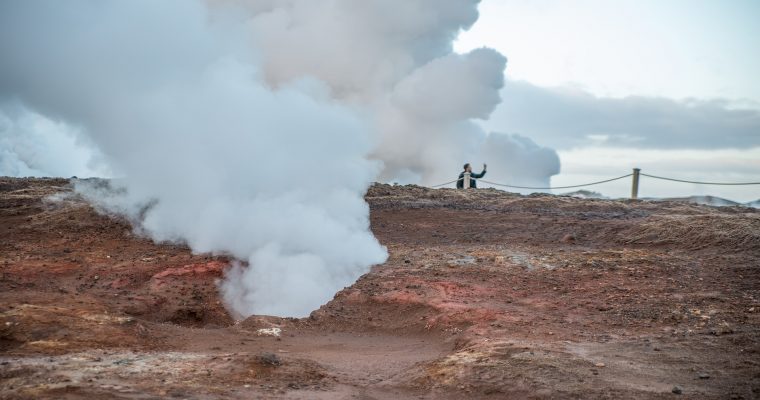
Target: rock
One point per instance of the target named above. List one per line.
(466, 260)
(568, 238)
(724, 328)
(600, 365)
(704, 375)
(256, 322)
(274, 331)
(677, 389)
(270, 359)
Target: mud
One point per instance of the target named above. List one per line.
(486, 294)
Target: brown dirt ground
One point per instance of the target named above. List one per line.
(486, 294)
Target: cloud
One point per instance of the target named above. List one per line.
(519, 160)
(569, 117)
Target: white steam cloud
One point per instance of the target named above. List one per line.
(394, 60)
(32, 145)
(254, 129)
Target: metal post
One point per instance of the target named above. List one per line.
(466, 180)
(635, 184)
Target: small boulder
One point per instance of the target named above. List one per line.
(270, 359)
(568, 238)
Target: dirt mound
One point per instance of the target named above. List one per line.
(727, 231)
(32, 328)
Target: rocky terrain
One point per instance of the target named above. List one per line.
(486, 294)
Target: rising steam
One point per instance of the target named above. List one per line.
(254, 129)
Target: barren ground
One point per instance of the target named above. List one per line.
(486, 294)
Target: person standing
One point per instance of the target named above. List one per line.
(473, 177)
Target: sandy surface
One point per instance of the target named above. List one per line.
(486, 294)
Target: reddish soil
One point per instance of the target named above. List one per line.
(486, 294)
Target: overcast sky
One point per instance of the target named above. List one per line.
(668, 86)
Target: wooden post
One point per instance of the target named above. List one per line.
(466, 180)
(635, 184)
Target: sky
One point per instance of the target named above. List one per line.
(667, 86)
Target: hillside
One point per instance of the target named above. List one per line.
(486, 294)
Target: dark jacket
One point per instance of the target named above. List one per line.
(473, 176)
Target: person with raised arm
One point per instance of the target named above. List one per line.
(473, 177)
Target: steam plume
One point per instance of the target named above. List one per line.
(254, 129)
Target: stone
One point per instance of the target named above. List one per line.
(270, 359)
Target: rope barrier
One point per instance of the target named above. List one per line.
(700, 183)
(635, 183)
(556, 187)
(537, 188)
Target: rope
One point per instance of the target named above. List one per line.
(700, 183)
(538, 188)
(557, 187)
(447, 183)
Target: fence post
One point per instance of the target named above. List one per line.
(466, 180)
(635, 184)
